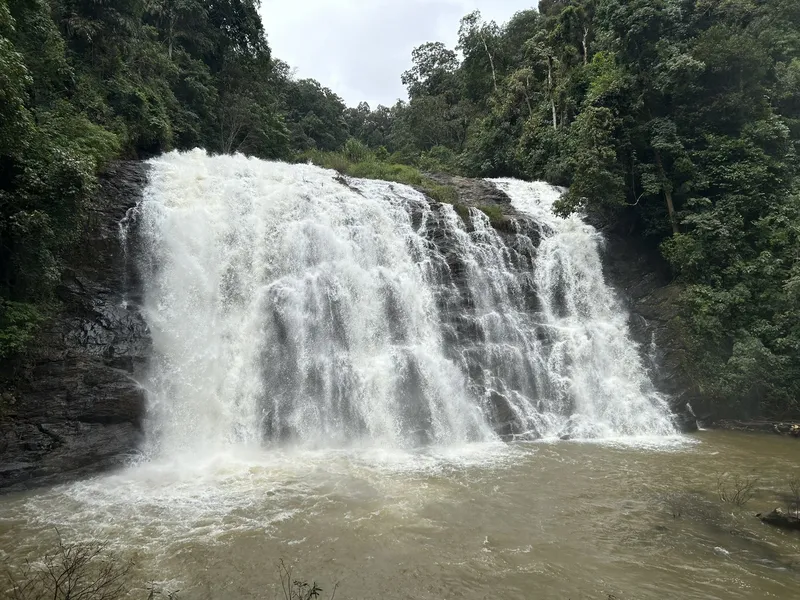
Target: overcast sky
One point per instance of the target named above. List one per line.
(359, 48)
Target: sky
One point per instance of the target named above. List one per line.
(359, 48)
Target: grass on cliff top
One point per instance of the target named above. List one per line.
(356, 160)
(362, 163)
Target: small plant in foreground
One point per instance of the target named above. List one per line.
(297, 589)
(793, 506)
(80, 571)
(736, 490)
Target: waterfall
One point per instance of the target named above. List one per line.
(592, 369)
(286, 306)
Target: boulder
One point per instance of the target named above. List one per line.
(782, 519)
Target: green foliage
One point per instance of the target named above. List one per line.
(438, 159)
(83, 83)
(18, 324)
(462, 211)
(597, 177)
(494, 213)
(372, 168)
(355, 151)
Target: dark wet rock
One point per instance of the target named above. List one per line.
(638, 273)
(72, 406)
(507, 423)
(777, 427)
(781, 519)
(475, 192)
(643, 282)
(685, 419)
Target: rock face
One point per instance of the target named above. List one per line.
(459, 301)
(641, 278)
(73, 406)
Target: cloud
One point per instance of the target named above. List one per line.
(359, 48)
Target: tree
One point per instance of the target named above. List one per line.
(432, 73)
(476, 40)
(315, 116)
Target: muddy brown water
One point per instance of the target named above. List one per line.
(566, 520)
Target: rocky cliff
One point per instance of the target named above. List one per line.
(642, 280)
(72, 405)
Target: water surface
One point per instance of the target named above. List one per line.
(534, 520)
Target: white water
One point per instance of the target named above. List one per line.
(287, 307)
(594, 370)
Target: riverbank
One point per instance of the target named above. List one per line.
(787, 428)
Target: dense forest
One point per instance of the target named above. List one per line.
(85, 82)
(678, 118)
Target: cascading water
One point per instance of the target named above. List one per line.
(284, 305)
(590, 368)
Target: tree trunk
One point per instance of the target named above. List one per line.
(552, 91)
(585, 46)
(667, 193)
(491, 62)
(173, 19)
(527, 97)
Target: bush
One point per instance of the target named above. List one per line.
(441, 193)
(494, 212)
(371, 168)
(299, 589)
(439, 159)
(88, 571)
(19, 322)
(793, 498)
(735, 489)
(355, 151)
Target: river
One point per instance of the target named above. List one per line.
(637, 520)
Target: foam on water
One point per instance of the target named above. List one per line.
(159, 505)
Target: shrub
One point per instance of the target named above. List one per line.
(355, 151)
(19, 322)
(735, 489)
(794, 497)
(494, 212)
(299, 589)
(462, 210)
(88, 571)
(371, 168)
